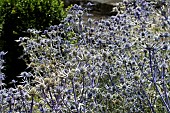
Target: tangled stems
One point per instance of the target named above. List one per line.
(32, 103)
(150, 104)
(154, 79)
(164, 87)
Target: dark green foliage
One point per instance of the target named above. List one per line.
(33, 13)
(19, 15)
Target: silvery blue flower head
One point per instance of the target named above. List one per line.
(107, 23)
(80, 13)
(75, 7)
(89, 4)
(2, 76)
(2, 53)
(89, 15)
(127, 46)
(166, 34)
(13, 82)
(25, 75)
(69, 28)
(52, 27)
(165, 47)
(124, 39)
(69, 18)
(60, 26)
(45, 32)
(90, 20)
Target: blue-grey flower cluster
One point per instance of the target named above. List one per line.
(115, 65)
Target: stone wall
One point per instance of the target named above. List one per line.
(104, 7)
(68, 2)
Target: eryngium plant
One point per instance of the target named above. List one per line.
(120, 64)
(2, 75)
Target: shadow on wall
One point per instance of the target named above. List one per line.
(69, 2)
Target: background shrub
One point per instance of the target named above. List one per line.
(19, 15)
